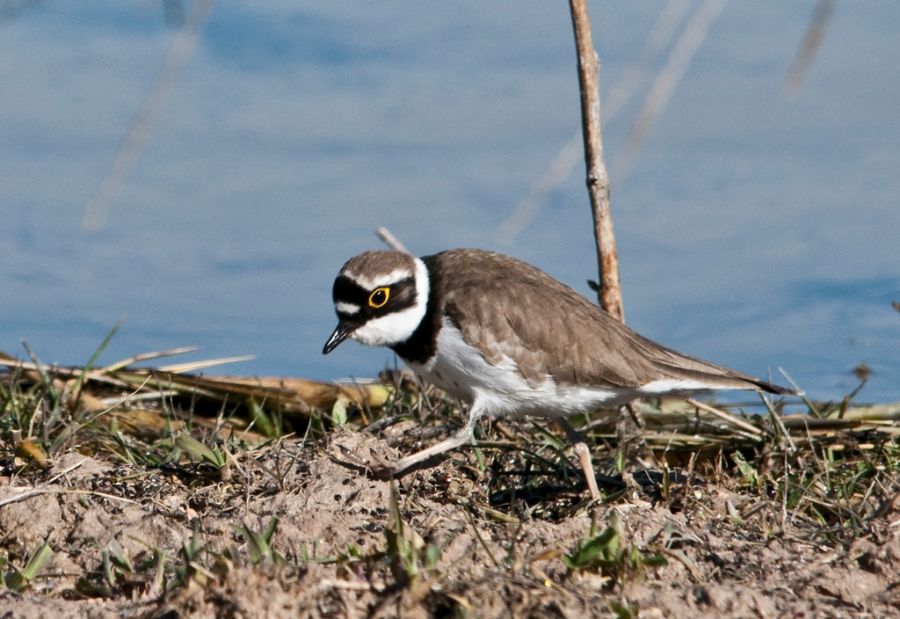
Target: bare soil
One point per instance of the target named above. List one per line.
(466, 548)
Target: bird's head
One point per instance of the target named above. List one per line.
(380, 299)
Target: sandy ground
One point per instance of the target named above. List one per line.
(726, 554)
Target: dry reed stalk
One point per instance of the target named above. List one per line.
(610, 292)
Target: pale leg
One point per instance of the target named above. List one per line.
(584, 455)
(463, 437)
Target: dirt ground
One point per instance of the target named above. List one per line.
(454, 546)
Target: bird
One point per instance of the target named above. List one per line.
(509, 340)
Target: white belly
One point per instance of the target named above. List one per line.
(462, 371)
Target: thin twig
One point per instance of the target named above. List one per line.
(28, 492)
(390, 240)
(610, 294)
(66, 471)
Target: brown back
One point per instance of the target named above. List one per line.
(513, 309)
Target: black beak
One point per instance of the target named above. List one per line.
(344, 330)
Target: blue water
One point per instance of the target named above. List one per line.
(755, 229)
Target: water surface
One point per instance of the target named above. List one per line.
(755, 229)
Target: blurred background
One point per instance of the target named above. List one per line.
(203, 170)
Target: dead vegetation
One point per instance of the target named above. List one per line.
(130, 491)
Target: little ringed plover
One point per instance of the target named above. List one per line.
(508, 339)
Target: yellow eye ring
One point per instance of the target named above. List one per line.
(379, 297)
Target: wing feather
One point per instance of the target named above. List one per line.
(514, 310)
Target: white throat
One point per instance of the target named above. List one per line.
(398, 327)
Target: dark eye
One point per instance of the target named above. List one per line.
(379, 297)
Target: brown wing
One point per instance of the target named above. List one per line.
(548, 329)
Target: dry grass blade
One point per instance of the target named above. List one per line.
(322, 395)
(875, 411)
(673, 427)
(295, 395)
(705, 426)
(57, 371)
(809, 403)
(150, 404)
(726, 416)
(147, 356)
(219, 388)
(118, 408)
(193, 366)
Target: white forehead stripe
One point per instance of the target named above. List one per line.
(346, 308)
(382, 279)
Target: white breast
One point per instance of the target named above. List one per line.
(462, 371)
